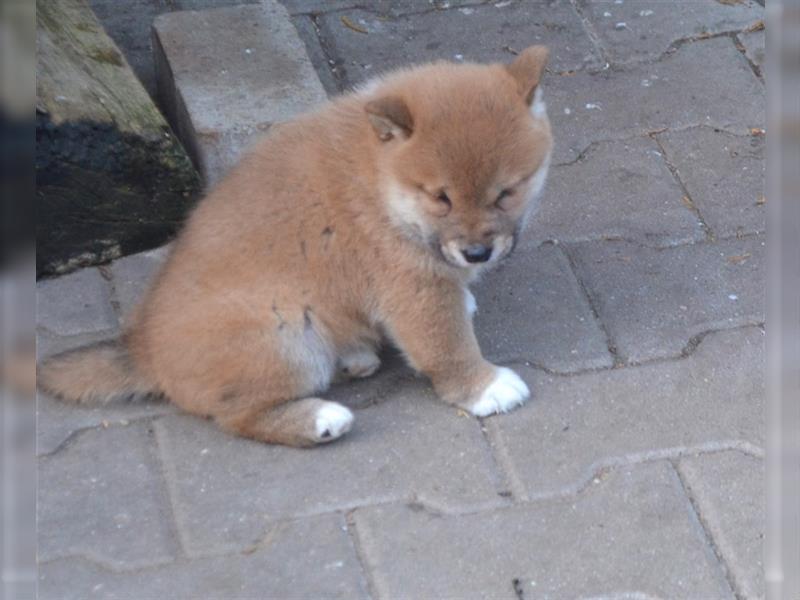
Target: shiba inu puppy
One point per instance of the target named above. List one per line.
(365, 220)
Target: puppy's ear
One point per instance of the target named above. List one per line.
(390, 118)
(527, 70)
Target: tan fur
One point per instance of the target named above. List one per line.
(326, 237)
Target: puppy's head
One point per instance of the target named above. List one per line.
(463, 152)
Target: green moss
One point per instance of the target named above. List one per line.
(108, 56)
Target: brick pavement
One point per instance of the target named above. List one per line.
(633, 308)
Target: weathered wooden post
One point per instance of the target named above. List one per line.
(111, 177)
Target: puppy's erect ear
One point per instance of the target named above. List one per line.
(527, 70)
(390, 118)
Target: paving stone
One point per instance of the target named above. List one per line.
(652, 302)
(576, 426)
(226, 75)
(631, 31)
(312, 558)
(754, 43)
(132, 275)
(56, 421)
(103, 498)
(474, 33)
(531, 308)
(394, 452)
(380, 7)
(724, 175)
(620, 189)
(707, 82)
(728, 489)
(631, 535)
(76, 303)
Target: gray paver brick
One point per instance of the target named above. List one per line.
(620, 189)
(636, 30)
(225, 75)
(131, 276)
(76, 303)
(475, 33)
(652, 302)
(56, 421)
(381, 7)
(728, 490)
(724, 174)
(552, 323)
(575, 426)
(394, 451)
(606, 541)
(312, 558)
(707, 82)
(103, 498)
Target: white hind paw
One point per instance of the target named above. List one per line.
(361, 363)
(504, 393)
(332, 421)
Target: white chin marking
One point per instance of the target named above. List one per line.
(332, 421)
(470, 303)
(451, 250)
(506, 392)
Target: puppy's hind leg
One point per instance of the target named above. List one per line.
(301, 423)
(279, 405)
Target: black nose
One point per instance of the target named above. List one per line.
(477, 253)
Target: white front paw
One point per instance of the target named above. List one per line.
(332, 420)
(504, 393)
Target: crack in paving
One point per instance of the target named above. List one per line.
(743, 51)
(690, 204)
(609, 340)
(591, 33)
(366, 572)
(512, 487)
(709, 538)
(332, 62)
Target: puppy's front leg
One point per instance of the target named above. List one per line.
(433, 327)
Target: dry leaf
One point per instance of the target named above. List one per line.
(757, 26)
(350, 25)
(757, 131)
(738, 259)
(762, 199)
(688, 203)
(462, 413)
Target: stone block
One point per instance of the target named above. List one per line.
(577, 427)
(653, 302)
(226, 75)
(724, 175)
(632, 534)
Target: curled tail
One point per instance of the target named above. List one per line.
(93, 374)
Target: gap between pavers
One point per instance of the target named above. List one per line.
(634, 533)
(312, 558)
(576, 426)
